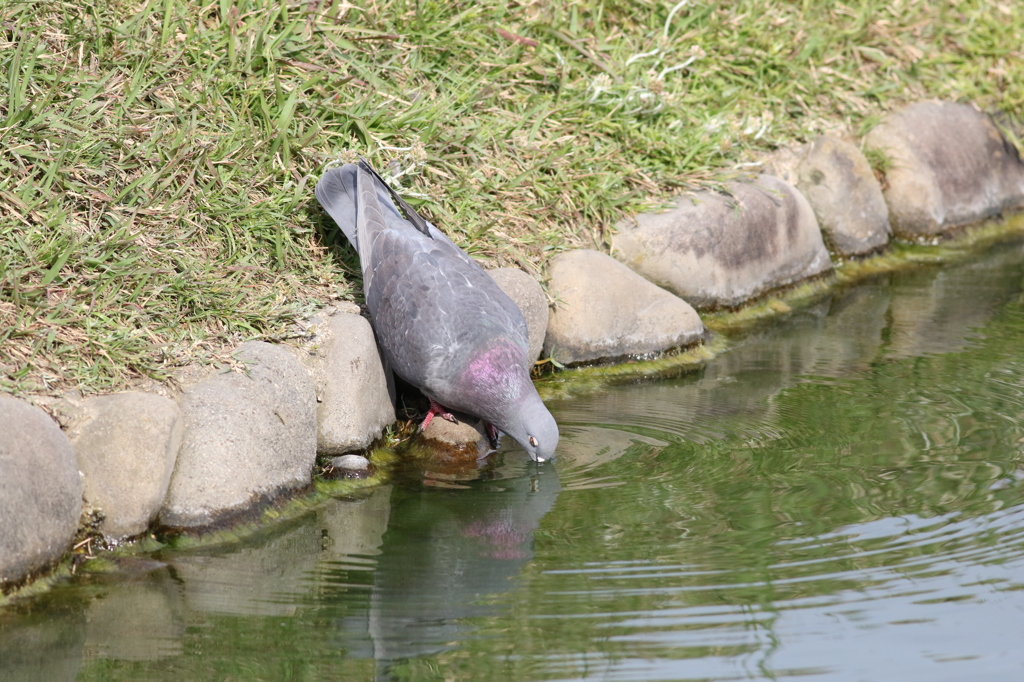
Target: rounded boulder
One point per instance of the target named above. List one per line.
(716, 249)
(603, 310)
(248, 437)
(946, 165)
(40, 491)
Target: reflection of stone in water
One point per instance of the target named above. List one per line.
(835, 337)
(253, 581)
(850, 337)
(136, 621)
(354, 527)
(937, 311)
(266, 579)
(584, 448)
(923, 312)
(46, 647)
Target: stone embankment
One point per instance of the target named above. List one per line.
(230, 442)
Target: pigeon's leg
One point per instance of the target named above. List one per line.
(493, 435)
(437, 409)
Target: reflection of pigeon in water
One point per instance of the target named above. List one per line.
(449, 559)
(443, 324)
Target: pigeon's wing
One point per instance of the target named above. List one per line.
(336, 192)
(410, 213)
(497, 297)
(453, 264)
(420, 315)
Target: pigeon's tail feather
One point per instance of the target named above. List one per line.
(336, 192)
(410, 213)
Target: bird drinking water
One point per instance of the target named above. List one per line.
(442, 323)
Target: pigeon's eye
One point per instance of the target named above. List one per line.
(533, 441)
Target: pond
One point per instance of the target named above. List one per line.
(838, 496)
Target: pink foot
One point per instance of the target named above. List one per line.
(437, 409)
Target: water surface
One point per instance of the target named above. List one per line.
(839, 496)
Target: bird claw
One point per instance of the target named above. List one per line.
(436, 409)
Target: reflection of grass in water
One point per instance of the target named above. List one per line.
(926, 436)
(887, 473)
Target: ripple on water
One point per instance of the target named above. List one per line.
(933, 591)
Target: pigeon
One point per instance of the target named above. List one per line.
(442, 323)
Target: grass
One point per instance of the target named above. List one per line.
(157, 158)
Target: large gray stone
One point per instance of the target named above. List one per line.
(948, 166)
(247, 437)
(126, 445)
(719, 250)
(353, 405)
(605, 310)
(527, 293)
(40, 491)
(845, 195)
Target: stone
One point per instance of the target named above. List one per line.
(783, 162)
(353, 403)
(126, 445)
(248, 438)
(349, 466)
(527, 293)
(718, 250)
(604, 310)
(40, 491)
(837, 181)
(351, 462)
(452, 442)
(948, 165)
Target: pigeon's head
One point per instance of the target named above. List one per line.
(533, 427)
(497, 379)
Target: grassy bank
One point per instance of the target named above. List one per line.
(157, 158)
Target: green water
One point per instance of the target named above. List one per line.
(839, 496)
